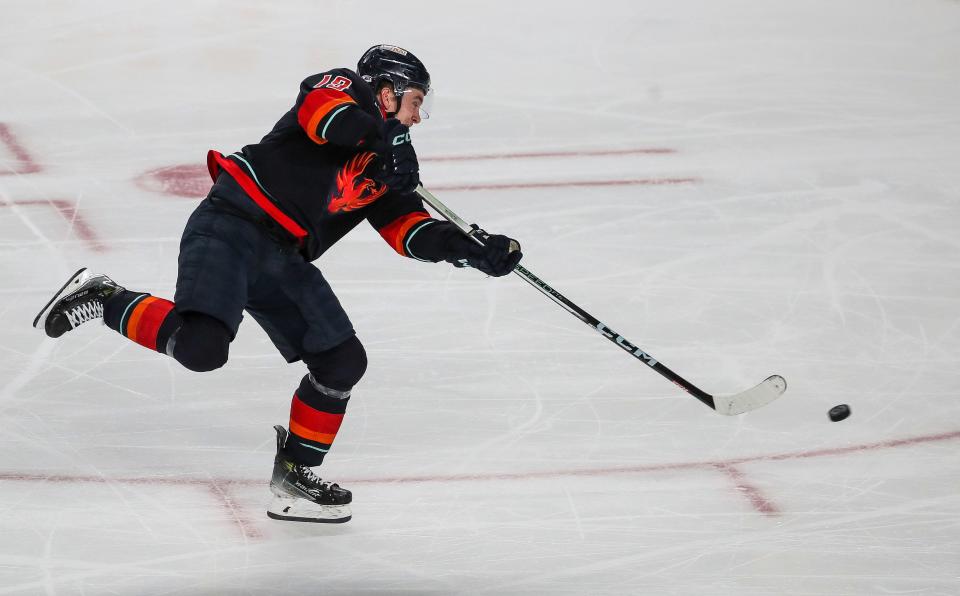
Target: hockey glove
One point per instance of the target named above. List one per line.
(498, 256)
(398, 167)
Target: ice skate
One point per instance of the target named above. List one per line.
(299, 495)
(78, 301)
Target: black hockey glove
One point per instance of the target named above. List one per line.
(397, 165)
(498, 256)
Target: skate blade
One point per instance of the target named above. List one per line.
(301, 510)
(57, 296)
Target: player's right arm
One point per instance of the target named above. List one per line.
(329, 110)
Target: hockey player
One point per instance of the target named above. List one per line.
(341, 155)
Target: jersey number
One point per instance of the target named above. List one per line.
(338, 83)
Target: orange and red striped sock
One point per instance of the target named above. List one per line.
(316, 413)
(145, 319)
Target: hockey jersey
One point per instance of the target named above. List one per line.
(309, 174)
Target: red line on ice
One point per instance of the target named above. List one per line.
(70, 213)
(217, 486)
(564, 184)
(183, 180)
(192, 180)
(542, 154)
(187, 481)
(234, 510)
(667, 467)
(27, 163)
(751, 492)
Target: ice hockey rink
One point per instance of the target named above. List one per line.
(741, 187)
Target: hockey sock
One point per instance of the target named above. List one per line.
(145, 319)
(315, 416)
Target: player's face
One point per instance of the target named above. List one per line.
(410, 103)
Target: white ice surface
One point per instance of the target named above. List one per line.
(497, 445)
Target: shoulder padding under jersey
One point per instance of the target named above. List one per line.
(335, 107)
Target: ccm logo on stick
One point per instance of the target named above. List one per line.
(626, 345)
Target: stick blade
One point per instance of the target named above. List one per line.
(756, 397)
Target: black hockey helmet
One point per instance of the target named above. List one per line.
(397, 66)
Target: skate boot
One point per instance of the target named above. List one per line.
(78, 301)
(298, 495)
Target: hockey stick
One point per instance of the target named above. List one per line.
(768, 390)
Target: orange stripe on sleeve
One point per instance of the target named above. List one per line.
(317, 105)
(319, 115)
(395, 232)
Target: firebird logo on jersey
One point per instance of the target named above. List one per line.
(354, 190)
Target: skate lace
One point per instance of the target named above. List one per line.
(323, 485)
(84, 312)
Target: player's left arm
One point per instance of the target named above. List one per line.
(400, 219)
(407, 227)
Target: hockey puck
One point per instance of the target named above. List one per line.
(838, 413)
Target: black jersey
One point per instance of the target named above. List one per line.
(308, 173)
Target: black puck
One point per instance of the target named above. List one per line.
(838, 413)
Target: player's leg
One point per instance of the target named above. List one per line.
(218, 255)
(88, 296)
(202, 343)
(320, 402)
(198, 327)
(303, 317)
